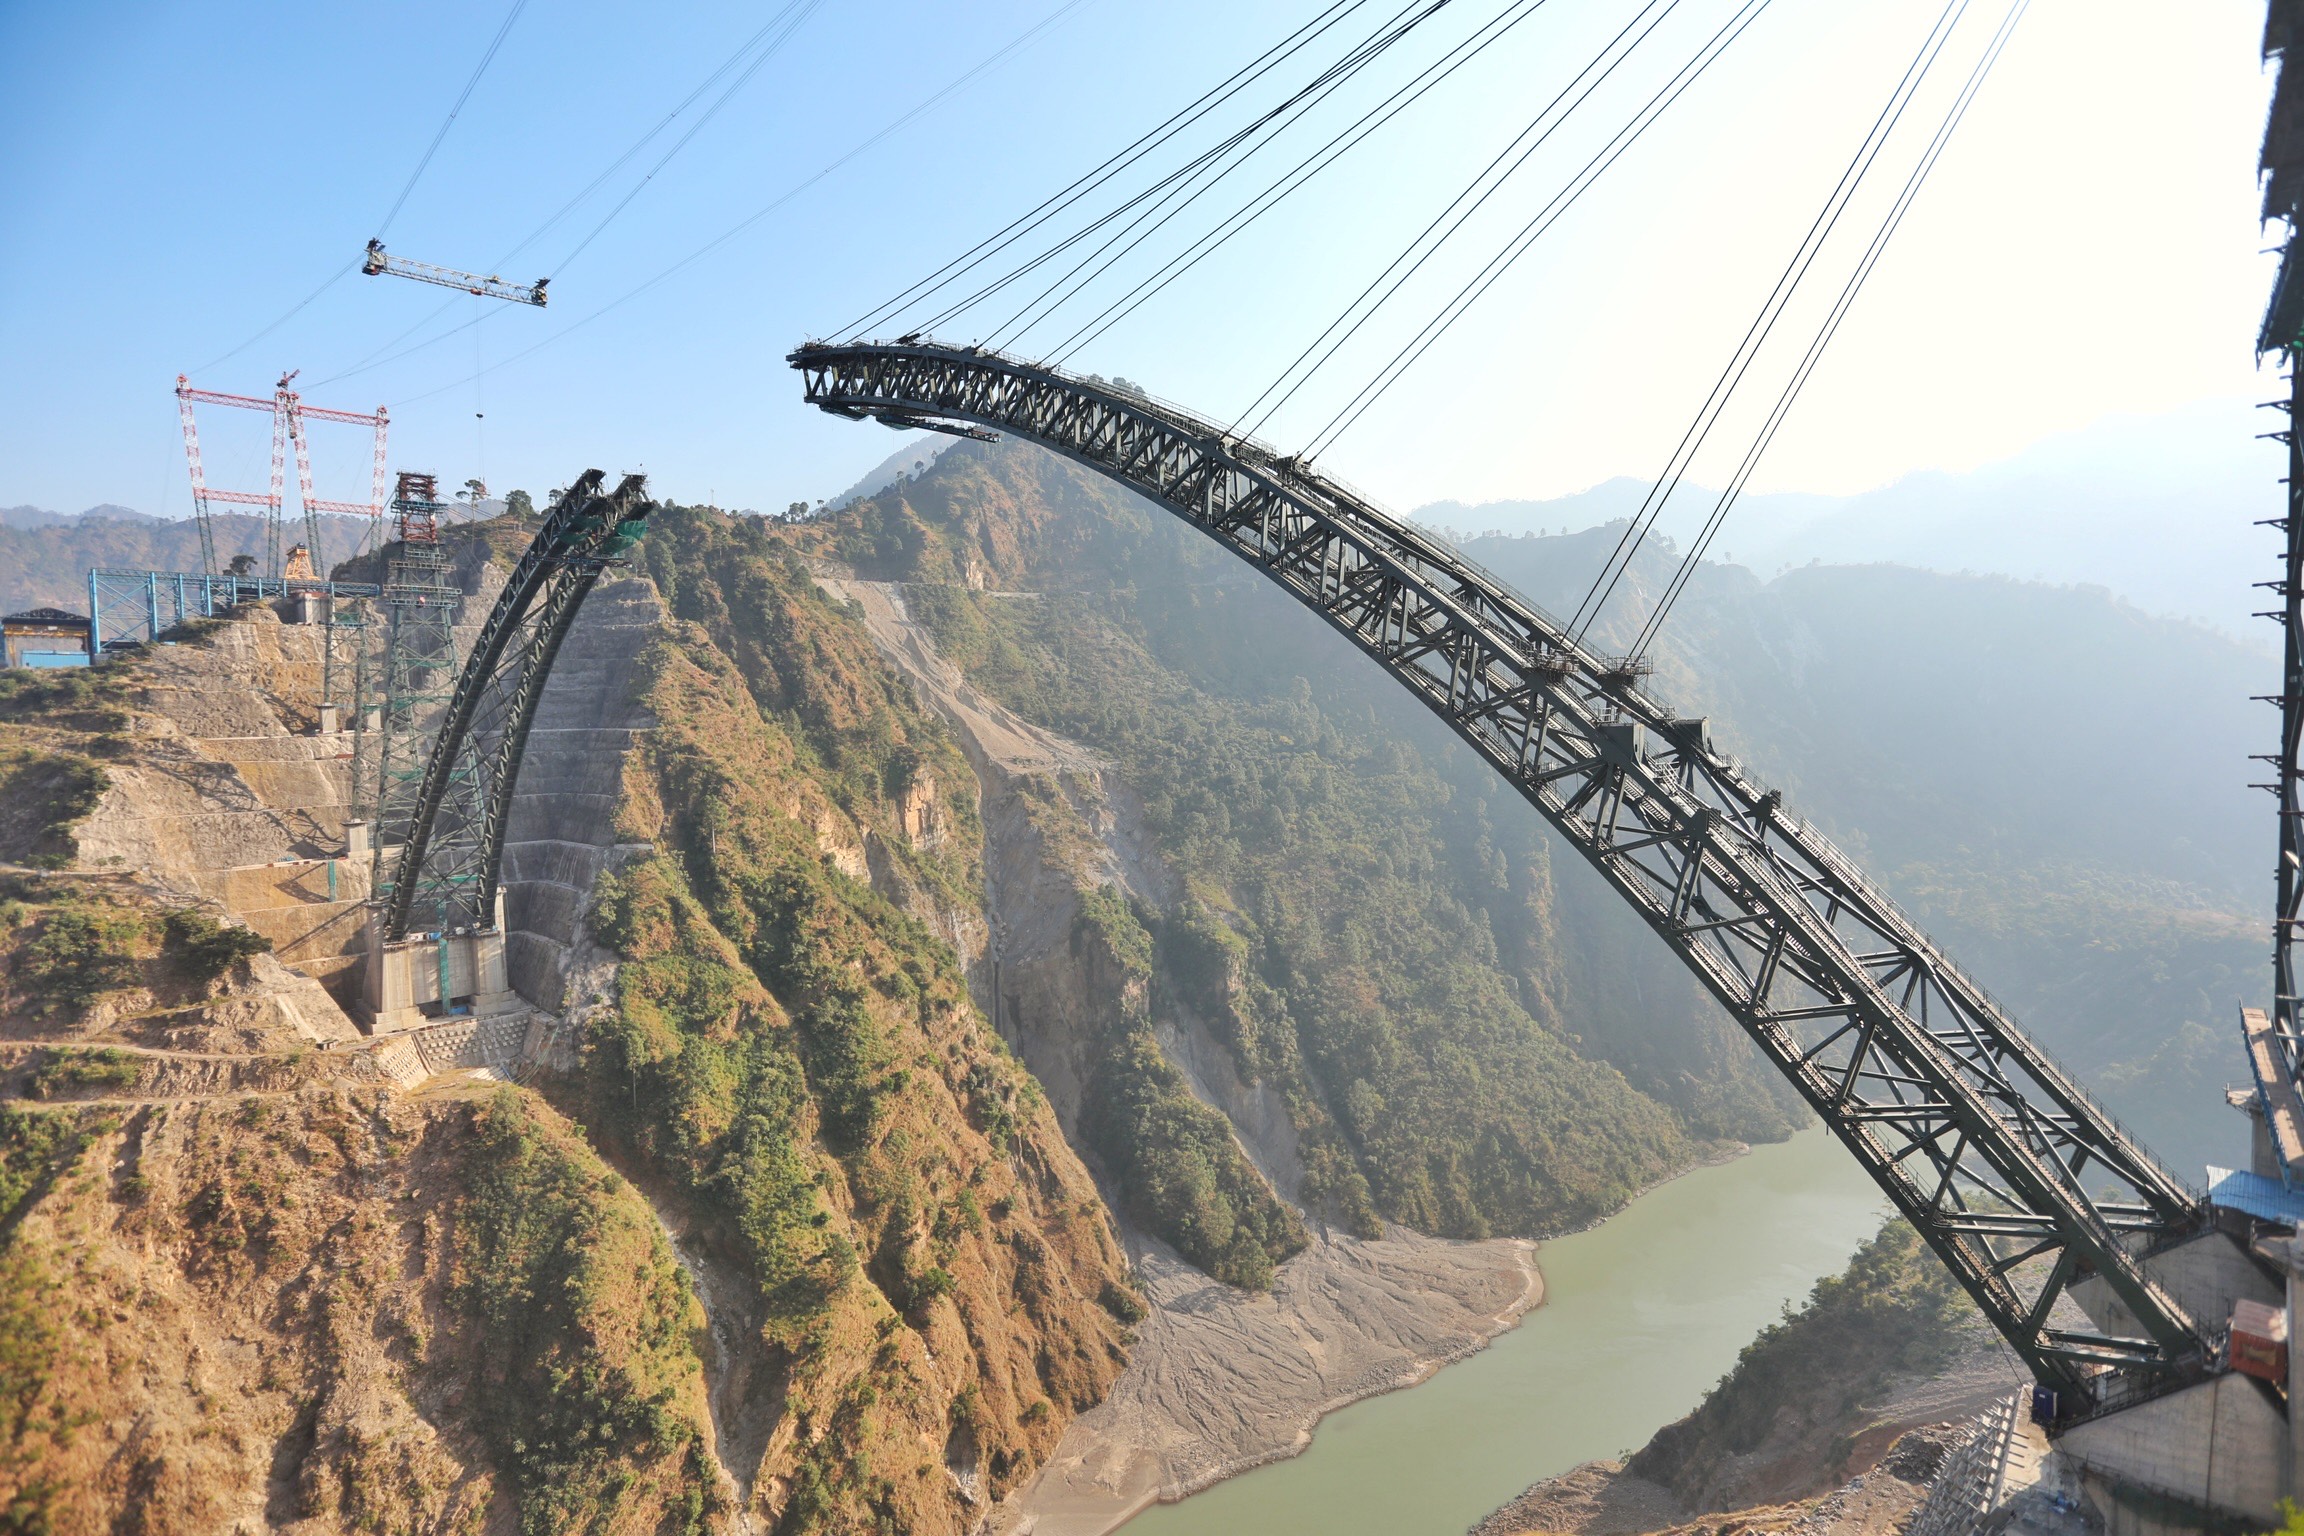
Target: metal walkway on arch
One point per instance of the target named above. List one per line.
(2012, 1174)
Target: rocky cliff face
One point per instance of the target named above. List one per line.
(789, 1060)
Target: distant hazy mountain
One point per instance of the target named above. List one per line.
(2162, 510)
(41, 517)
(919, 450)
(45, 556)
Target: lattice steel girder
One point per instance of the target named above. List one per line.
(1981, 1140)
(454, 856)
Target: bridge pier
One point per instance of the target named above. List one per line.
(424, 977)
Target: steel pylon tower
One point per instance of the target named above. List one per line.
(416, 678)
(203, 494)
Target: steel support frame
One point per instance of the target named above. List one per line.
(162, 600)
(2288, 765)
(452, 858)
(1978, 1138)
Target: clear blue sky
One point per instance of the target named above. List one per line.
(174, 176)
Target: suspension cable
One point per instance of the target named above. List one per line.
(1534, 230)
(1836, 203)
(991, 245)
(1847, 299)
(861, 147)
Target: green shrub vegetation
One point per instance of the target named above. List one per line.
(1179, 1169)
(714, 1088)
(62, 1071)
(552, 1259)
(1895, 1309)
(79, 951)
(205, 949)
(43, 791)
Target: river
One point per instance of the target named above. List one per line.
(1641, 1315)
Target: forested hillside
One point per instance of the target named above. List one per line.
(2053, 781)
(1376, 932)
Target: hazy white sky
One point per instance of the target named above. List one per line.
(174, 176)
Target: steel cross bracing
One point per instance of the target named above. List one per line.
(2013, 1176)
(451, 865)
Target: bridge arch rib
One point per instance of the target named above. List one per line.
(2017, 1180)
(449, 864)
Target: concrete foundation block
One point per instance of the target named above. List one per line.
(2220, 1445)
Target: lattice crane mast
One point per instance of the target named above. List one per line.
(379, 263)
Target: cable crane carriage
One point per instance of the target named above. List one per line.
(379, 262)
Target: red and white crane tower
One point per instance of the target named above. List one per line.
(289, 413)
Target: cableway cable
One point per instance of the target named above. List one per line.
(799, 11)
(1216, 95)
(1836, 203)
(293, 311)
(1290, 181)
(662, 123)
(346, 270)
(1240, 147)
(450, 120)
(768, 33)
(1409, 250)
(927, 104)
(1823, 339)
(1545, 218)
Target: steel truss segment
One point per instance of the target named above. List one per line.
(1976, 1135)
(452, 860)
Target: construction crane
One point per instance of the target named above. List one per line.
(289, 414)
(379, 262)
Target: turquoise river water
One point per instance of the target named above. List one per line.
(1641, 1315)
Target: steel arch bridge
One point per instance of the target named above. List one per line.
(2012, 1174)
(449, 867)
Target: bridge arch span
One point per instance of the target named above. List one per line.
(2026, 1188)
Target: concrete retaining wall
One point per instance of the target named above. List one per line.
(562, 832)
